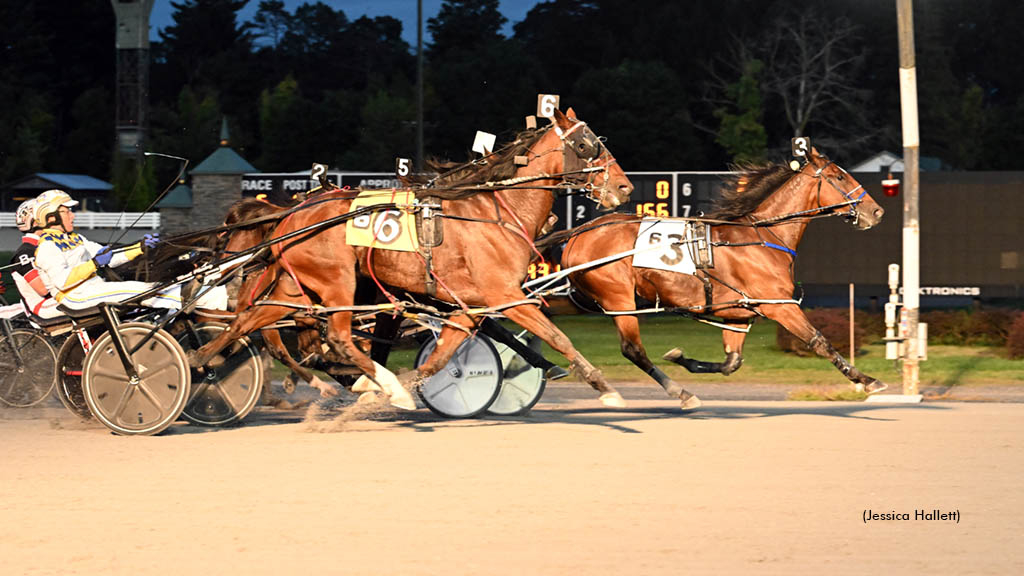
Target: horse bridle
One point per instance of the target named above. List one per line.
(819, 175)
(589, 156)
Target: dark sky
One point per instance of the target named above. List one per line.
(404, 10)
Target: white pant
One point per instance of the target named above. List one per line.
(96, 291)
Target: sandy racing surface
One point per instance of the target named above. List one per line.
(739, 487)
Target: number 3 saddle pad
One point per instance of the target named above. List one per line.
(680, 246)
(383, 229)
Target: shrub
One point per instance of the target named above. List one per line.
(988, 327)
(1015, 337)
(834, 325)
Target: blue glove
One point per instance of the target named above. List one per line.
(150, 240)
(103, 256)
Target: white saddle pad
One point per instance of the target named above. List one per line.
(664, 245)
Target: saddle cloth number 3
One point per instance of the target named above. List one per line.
(664, 245)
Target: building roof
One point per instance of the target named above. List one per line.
(179, 197)
(224, 160)
(68, 182)
(889, 161)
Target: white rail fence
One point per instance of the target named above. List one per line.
(120, 220)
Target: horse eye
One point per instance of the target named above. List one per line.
(840, 177)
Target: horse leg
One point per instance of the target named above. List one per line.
(448, 341)
(633, 349)
(278, 350)
(733, 343)
(250, 319)
(793, 319)
(531, 318)
(339, 338)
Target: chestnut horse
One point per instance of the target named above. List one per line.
(755, 230)
(498, 208)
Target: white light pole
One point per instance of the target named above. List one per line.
(911, 221)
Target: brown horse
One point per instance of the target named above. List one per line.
(495, 210)
(265, 216)
(756, 228)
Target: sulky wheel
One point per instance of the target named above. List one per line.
(149, 404)
(468, 384)
(28, 368)
(230, 386)
(522, 386)
(69, 377)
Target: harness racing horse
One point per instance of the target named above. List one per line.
(491, 209)
(755, 229)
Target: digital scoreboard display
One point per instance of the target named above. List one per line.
(655, 195)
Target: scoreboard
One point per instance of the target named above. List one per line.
(655, 194)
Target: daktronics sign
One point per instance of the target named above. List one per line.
(281, 188)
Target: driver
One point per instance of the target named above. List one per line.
(34, 294)
(69, 261)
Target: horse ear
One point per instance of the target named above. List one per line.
(559, 119)
(570, 113)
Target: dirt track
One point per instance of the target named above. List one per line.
(739, 487)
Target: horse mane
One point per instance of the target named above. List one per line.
(443, 175)
(249, 209)
(745, 191)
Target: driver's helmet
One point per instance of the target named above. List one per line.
(49, 202)
(24, 215)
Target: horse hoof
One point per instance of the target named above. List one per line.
(326, 390)
(673, 355)
(288, 384)
(556, 373)
(613, 400)
(364, 384)
(874, 387)
(367, 398)
(691, 403)
(402, 400)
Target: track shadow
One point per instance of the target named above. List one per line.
(619, 420)
(423, 420)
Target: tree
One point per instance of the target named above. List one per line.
(811, 66)
(641, 108)
(271, 22)
(741, 131)
(203, 45)
(463, 25)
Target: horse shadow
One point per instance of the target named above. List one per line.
(619, 420)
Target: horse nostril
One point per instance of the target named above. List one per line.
(879, 212)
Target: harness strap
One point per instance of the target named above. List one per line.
(789, 251)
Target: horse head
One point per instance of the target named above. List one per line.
(585, 160)
(243, 236)
(840, 193)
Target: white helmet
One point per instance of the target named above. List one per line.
(49, 202)
(23, 217)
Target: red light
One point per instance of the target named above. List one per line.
(891, 187)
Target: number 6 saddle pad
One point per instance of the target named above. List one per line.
(393, 229)
(680, 246)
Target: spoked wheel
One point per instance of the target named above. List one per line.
(522, 386)
(468, 384)
(149, 404)
(70, 360)
(230, 387)
(28, 368)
